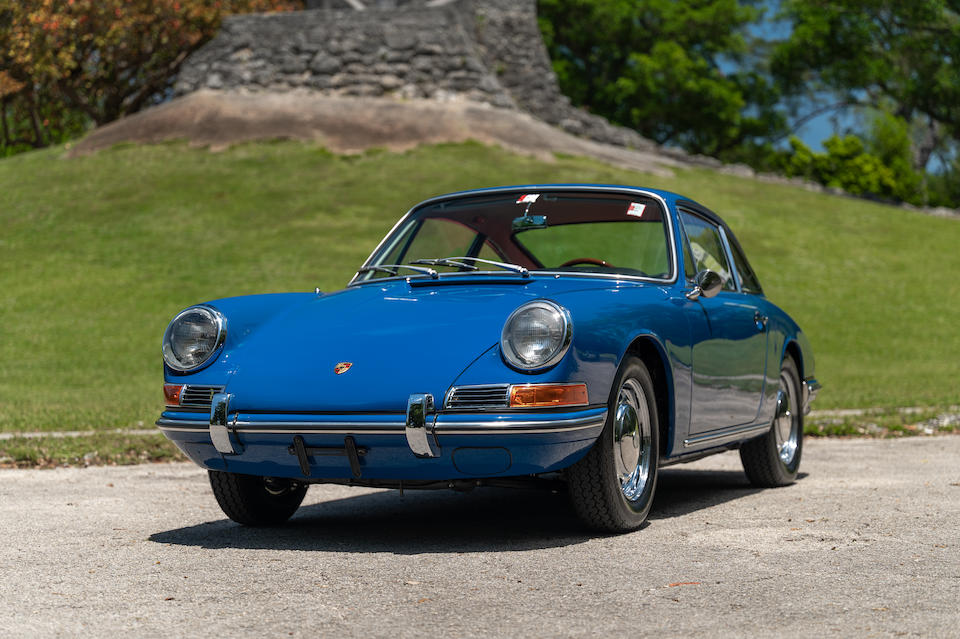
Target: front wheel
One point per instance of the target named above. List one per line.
(774, 459)
(256, 501)
(612, 487)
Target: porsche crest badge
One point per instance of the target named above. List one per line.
(342, 367)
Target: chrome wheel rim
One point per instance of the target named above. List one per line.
(786, 425)
(632, 440)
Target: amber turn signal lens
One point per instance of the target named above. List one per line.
(171, 392)
(547, 395)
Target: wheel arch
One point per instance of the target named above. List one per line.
(793, 350)
(649, 350)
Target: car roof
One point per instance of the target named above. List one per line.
(669, 196)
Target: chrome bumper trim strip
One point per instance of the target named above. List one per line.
(485, 427)
(538, 426)
(182, 424)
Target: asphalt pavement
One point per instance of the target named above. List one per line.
(865, 544)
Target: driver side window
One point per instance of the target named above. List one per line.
(706, 247)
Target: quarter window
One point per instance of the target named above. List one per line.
(748, 279)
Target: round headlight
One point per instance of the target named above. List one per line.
(536, 335)
(193, 338)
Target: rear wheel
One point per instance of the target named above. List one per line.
(774, 459)
(612, 487)
(256, 501)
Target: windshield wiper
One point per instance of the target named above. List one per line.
(457, 261)
(392, 269)
(447, 261)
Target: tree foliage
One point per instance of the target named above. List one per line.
(878, 166)
(655, 66)
(99, 59)
(846, 164)
(877, 52)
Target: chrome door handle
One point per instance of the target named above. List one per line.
(760, 320)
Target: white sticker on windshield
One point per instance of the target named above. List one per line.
(528, 199)
(636, 209)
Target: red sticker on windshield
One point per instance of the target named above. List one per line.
(636, 209)
(528, 199)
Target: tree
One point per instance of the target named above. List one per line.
(655, 66)
(875, 52)
(102, 58)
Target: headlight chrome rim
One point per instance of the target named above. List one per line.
(167, 349)
(566, 330)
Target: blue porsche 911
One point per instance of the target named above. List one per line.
(580, 335)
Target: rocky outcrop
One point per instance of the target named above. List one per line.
(487, 51)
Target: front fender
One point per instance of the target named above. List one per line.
(245, 314)
(606, 324)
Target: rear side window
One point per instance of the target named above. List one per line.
(748, 279)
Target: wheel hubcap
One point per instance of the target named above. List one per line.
(786, 425)
(631, 440)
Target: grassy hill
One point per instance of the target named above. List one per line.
(98, 253)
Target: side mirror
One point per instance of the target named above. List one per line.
(707, 283)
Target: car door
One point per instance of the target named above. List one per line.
(729, 335)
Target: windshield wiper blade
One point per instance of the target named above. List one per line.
(446, 261)
(454, 261)
(392, 269)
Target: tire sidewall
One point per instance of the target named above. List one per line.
(790, 470)
(636, 512)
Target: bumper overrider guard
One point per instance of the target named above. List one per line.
(424, 429)
(809, 390)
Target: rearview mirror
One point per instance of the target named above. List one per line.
(529, 222)
(707, 283)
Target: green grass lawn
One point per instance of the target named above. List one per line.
(98, 253)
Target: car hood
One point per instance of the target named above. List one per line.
(398, 339)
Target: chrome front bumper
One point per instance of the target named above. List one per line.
(433, 446)
(444, 424)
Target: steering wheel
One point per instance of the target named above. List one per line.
(584, 260)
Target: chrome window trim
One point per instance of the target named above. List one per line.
(624, 190)
(221, 320)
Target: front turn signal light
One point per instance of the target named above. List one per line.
(171, 393)
(548, 395)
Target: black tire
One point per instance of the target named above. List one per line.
(603, 497)
(256, 501)
(773, 459)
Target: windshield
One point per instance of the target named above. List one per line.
(573, 232)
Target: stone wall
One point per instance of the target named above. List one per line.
(487, 51)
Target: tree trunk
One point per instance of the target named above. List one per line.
(39, 140)
(3, 120)
(924, 147)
